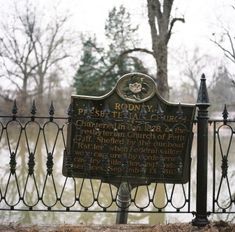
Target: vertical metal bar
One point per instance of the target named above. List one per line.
(123, 202)
(202, 155)
(214, 164)
(189, 186)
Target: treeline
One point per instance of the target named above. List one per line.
(42, 59)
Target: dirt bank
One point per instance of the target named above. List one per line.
(183, 227)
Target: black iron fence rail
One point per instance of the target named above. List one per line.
(27, 186)
(17, 176)
(31, 156)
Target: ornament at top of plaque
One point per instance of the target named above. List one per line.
(136, 87)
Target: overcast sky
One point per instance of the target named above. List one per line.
(202, 18)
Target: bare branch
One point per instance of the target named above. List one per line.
(231, 58)
(14, 82)
(98, 50)
(5, 97)
(56, 60)
(123, 54)
(231, 44)
(172, 23)
(227, 53)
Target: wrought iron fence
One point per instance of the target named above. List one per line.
(31, 174)
(223, 193)
(31, 154)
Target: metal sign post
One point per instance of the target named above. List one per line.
(130, 136)
(123, 202)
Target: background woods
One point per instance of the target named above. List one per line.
(43, 57)
(33, 53)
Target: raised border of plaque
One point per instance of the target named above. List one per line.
(129, 135)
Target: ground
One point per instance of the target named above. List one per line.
(182, 227)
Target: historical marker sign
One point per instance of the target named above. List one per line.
(130, 134)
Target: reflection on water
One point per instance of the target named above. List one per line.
(31, 179)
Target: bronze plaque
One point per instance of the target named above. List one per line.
(130, 134)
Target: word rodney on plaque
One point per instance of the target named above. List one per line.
(130, 135)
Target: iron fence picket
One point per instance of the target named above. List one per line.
(20, 170)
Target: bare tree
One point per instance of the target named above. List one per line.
(193, 66)
(225, 41)
(30, 52)
(161, 25)
(229, 50)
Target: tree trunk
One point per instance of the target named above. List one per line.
(160, 35)
(23, 97)
(161, 62)
(161, 24)
(40, 90)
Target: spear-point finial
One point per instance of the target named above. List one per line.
(51, 109)
(14, 108)
(33, 108)
(225, 114)
(203, 98)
